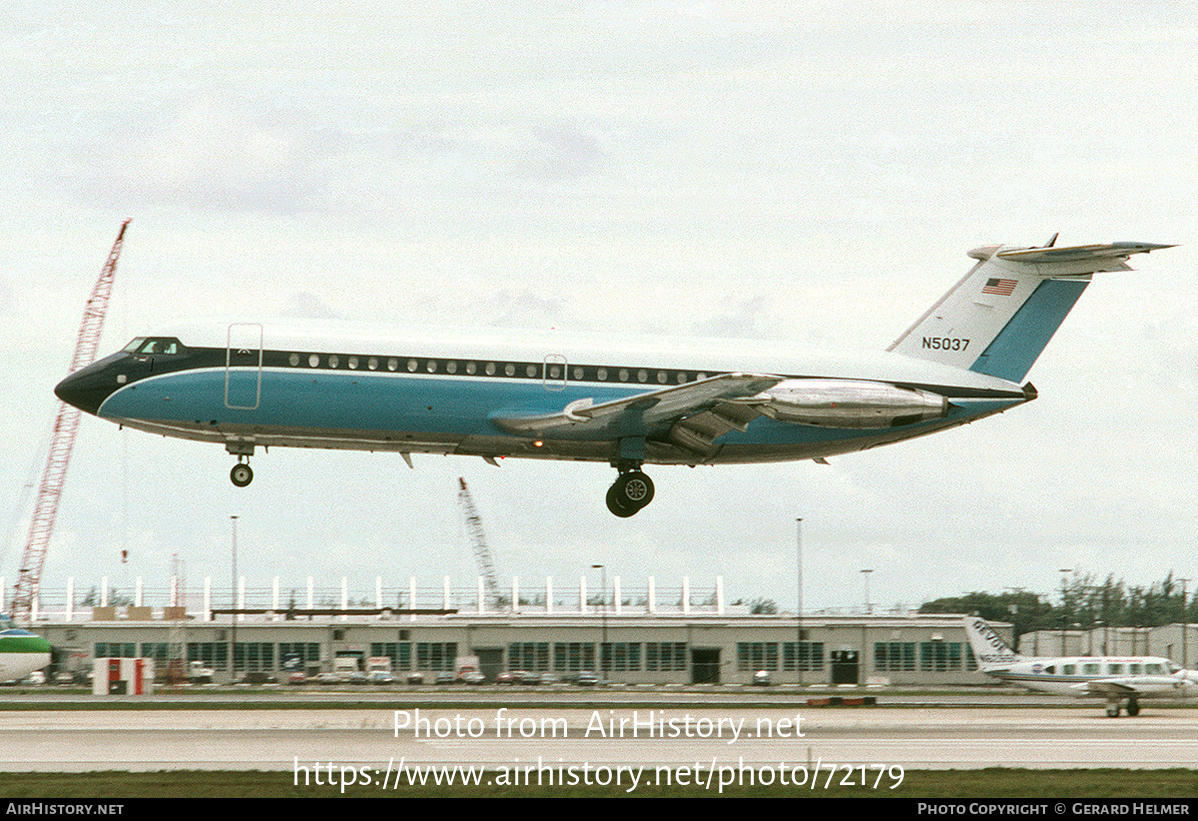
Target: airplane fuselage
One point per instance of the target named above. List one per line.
(21, 652)
(1153, 677)
(418, 394)
(248, 385)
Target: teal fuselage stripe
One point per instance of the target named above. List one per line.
(1013, 352)
(447, 406)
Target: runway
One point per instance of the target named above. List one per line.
(711, 735)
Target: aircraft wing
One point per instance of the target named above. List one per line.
(1131, 685)
(678, 404)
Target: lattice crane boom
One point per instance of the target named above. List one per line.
(62, 442)
(478, 541)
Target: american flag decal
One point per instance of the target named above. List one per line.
(1000, 287)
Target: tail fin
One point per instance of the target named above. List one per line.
(988, 647)
(1002, 314)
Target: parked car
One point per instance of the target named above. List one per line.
(297, 678)
(414, 678)
(381, 677)
(471, 677)
(258, 677)
(444, 677)
(328, 678)
(762, 678)
(587, 678)
(506, 677)
(549, 678)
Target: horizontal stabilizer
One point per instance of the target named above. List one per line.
(1079, 253)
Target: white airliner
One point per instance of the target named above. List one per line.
(249, 385)
(1118, 679)
(21, 652)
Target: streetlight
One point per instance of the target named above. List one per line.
(1064, 619)
(1184, 648)
(233, 606)
(799, 604)
(865, 575)
(603, 585)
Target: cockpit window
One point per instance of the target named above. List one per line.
(1174, 667)
(156, 345)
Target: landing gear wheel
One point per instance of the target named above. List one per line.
(1133, 707)
(629, 493)
(613, 504)
(241, 475)
(1112, 710)
(635, 489)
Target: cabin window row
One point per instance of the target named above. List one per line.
(527, 370)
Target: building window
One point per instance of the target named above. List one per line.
(436, 655)
(756, 655)
(940, 656)
(400, 653)
(573, 656)
(894, 656)
(533, 656)
(665, 656)
(621, 657)
(811, 655)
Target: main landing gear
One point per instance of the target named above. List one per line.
(631, 491)
(241, 474)
(1113, 707)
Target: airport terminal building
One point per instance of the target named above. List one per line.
(647, 635)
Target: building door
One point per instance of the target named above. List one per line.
(490, 661)
(845, 666)
(705, 665)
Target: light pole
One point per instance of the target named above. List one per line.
(603, 586)
(233, 605)
(1184, 618)
(1064, 620)
(799, 604)
(865, 575)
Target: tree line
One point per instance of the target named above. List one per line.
(1082, 603)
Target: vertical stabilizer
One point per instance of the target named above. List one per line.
(1001, 315)
(988, 647)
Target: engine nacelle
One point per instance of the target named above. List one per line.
(845, 403)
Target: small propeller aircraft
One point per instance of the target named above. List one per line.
(1120, 680)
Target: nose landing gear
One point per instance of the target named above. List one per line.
(631, 491)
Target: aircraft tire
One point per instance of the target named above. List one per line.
(635, 489)
(1133, 707)
(1112, 710)
(614, 505)
(241, 475)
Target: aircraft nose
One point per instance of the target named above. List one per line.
(87, 387)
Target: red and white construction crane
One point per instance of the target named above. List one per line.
(478, 541)
(62, 442)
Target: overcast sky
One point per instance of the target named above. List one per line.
(810, 173)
